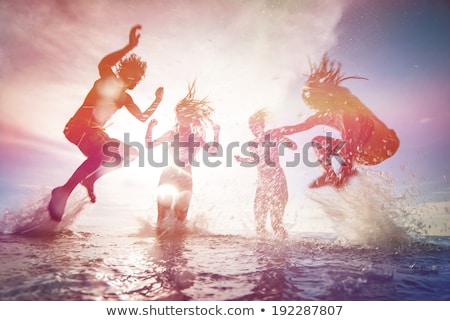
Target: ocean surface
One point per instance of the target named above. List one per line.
(43, 260)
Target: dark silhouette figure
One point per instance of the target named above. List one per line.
(86, 128)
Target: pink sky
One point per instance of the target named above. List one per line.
(244, 54)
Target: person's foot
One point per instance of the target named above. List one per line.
(181, 215)
(281, 233)
(262, 233)
(58, 203)
(325, 179)
(345, 176)
(90, 189)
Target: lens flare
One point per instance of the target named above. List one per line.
(166, 195)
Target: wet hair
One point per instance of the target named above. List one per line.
(198, 111)
(328, 72)
(132, 65)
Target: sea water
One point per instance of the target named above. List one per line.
(375, 251)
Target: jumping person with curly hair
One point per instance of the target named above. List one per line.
(193, 117)
(118, 73)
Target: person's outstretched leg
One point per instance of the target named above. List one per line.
(260, 208)
(61, 194)
(130, 155)
(181, 205)
(278, 206)
(323, 147)
(347, 168)
(276, 218)
(89, 181)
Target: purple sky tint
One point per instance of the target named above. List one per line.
(244, 54)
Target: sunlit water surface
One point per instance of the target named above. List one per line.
(375, 254)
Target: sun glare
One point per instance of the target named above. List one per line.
(166, 195)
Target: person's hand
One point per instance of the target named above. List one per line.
(289, 143)
(152, 123)
(212, 150)
(134, 36)
(159, 93)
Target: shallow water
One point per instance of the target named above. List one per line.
(88, 266)
(374, 254)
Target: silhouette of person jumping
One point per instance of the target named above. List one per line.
(86, 128)
(193, 117)
(271, 194)
(365, 139)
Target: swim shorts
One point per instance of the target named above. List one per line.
(90, 140)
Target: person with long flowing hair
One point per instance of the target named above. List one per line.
(192, 118)
(365, 139)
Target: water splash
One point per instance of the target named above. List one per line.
(33, 218)
(367, 212)
(171, 228)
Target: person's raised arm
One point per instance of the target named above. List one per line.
(289, 143)
(143, 116)
(246, 160)
(150, 142)
(250, 150)
(216, 129)
(289, 130)
(106, 64)
(213, 149)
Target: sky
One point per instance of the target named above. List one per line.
(244, 55)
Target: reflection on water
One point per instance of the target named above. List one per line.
(83, 266)
(374, 261)
(172, 276)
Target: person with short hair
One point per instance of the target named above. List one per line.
(86, 128)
